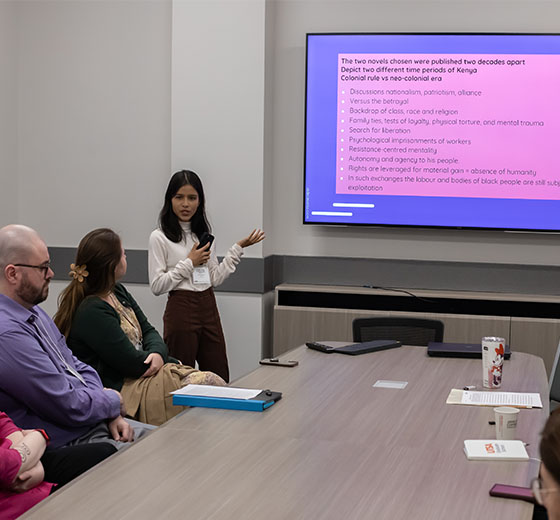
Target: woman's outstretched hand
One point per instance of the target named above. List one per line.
(256, 236)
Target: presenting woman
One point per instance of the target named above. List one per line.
(180, 265)
(106, 328)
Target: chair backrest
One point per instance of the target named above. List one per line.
(554, 381)
(409, 331)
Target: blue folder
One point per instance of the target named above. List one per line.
(259, 403)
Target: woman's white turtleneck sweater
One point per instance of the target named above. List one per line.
(169, 268)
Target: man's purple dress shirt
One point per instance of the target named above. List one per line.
(37, 388)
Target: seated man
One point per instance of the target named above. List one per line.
(42, 385)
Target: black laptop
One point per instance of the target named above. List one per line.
(355, 349)
(461, 350)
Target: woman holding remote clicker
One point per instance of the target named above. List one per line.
(180, 265)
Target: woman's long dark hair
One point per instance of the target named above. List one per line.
(168, 221)
(99, 252)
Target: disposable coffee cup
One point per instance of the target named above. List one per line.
(506, 422)
(492, 361)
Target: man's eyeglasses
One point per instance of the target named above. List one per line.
(539, 491)
(44, 267)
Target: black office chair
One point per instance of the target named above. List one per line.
(409, 331)
(554, 381)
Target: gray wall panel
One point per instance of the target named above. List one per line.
(258, 275)
(248, 278)
(422, 275)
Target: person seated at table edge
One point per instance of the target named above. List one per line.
(95, 311)
(106, 328)
(28, 473)
(42, 384)
(546, 487)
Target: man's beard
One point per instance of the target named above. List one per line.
(31, 294)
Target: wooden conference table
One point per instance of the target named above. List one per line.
(334, 447)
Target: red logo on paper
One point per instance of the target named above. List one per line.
(489, 448)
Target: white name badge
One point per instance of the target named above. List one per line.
(201, 275)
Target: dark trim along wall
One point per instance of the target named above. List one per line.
(261, 275)
(249, 277)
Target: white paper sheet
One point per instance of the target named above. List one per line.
(399, 385)
(516, 399)
(218, 391)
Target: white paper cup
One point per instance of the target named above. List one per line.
(506, 422)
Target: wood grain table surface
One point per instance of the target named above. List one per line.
(334, 447)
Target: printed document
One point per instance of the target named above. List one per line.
(225, 392)
(516, 399)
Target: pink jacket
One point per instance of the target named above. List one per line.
(13, 504)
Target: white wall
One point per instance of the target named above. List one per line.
(8, 114)
(292, 20)
(218, 109)
(104, 99)
(242, 316)
(94, 117)
(218, 103)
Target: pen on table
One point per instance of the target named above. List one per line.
(470, 387)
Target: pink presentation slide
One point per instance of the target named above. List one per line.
(445, 125)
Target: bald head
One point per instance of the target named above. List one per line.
(25, 271)
(17, 244)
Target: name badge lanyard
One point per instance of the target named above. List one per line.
(44, 333)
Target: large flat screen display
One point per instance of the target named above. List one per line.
(433, 130)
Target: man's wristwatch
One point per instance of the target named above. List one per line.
(44, 434)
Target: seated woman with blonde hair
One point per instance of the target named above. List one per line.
(106, 329)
